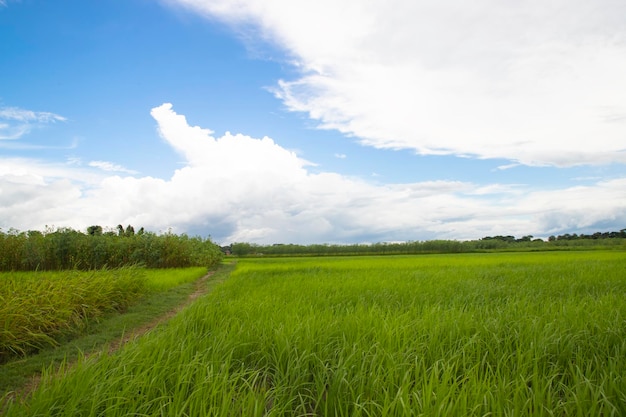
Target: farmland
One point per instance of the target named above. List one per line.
(515, 334)
(39, 306)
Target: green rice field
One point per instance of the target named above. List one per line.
(500, 334)
(38, 307)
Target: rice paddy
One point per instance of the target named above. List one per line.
(37, 307)
(507, 334)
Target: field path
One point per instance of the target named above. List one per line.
(200, 289)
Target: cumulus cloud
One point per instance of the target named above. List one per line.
(537, 83)
(16, 122)
(238, 188)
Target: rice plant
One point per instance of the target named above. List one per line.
(165, 278)
(35, 307)
(532, 334)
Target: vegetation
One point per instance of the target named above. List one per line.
(597, 240)
(165, 292)
(38, 307)
(164, 279)
(524, 334)
(594, 236)
(65, 248)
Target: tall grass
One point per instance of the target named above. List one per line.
(465, 335)
(36, 307)
(65, 249)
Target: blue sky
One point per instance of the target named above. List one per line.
(383, 121)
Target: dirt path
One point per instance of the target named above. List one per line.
(201, 288)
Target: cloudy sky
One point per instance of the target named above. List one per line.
(277, 121)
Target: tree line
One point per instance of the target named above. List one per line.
(528, 242)
(597, 235)
(66, 248)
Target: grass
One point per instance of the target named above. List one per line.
(162, 293)
(529, 334)
(38, 307)
(165, 278)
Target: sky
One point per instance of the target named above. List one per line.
(276, 121)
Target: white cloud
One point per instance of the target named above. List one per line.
(507, 166)
(15, 113)
(579, 208)
(238, 188)
(538, 83)
(111, 167)
(16, 122)
(44, 172)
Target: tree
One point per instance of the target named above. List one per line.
(129, 231)
(94, 230)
